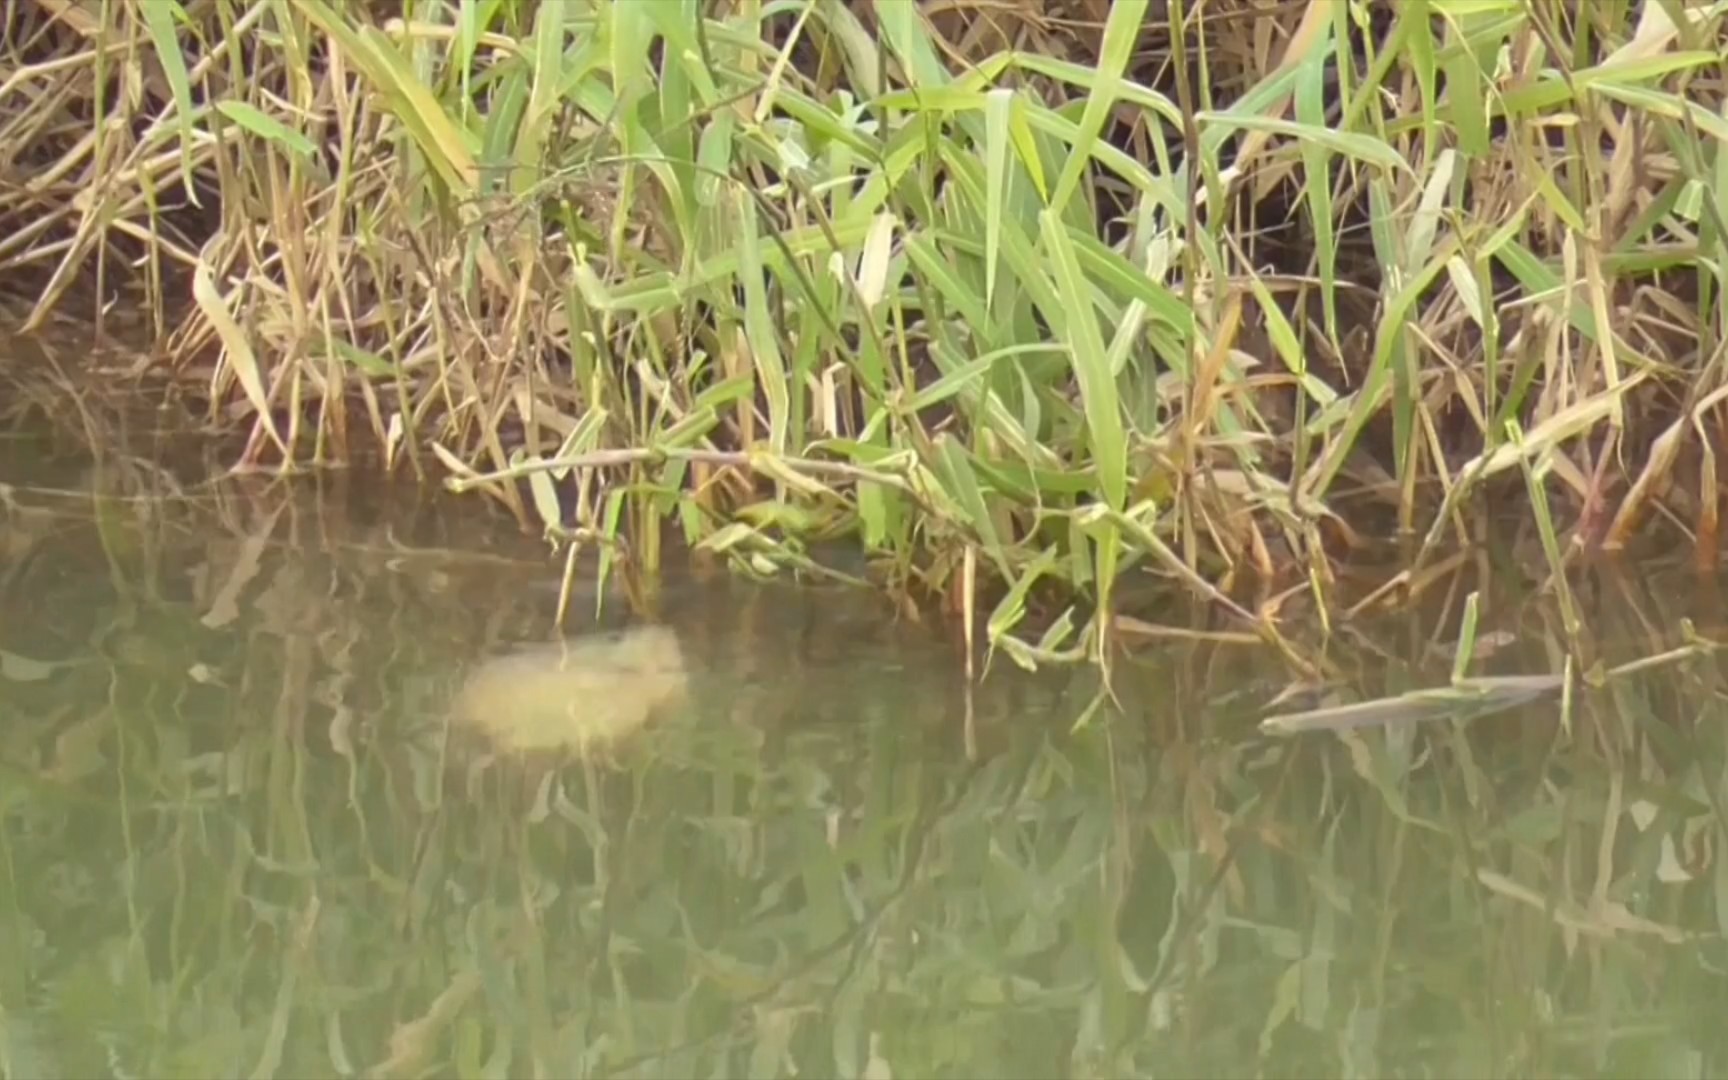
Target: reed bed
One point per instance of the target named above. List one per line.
(1031, 302)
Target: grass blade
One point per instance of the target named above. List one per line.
(1078, 322)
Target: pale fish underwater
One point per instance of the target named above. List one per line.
(582, 696)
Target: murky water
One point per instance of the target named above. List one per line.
(257, 819)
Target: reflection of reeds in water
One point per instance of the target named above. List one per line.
(581, 696)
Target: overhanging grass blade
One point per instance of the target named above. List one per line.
(1000, 103)
(159, 19)
(1078, 320)
(1364, 148)
(1121, 31)
(759, 326)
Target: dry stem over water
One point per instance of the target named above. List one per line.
(1030, 300)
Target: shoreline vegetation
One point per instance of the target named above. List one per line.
(1032, 304)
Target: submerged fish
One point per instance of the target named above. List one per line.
(582, 696)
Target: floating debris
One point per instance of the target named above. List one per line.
(580, 696)
(1464, 699)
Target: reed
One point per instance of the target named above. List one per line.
(1031, 310)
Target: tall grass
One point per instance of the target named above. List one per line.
(1031, 309)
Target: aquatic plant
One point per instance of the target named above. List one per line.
(1032, 309)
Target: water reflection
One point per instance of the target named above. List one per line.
(235, 842)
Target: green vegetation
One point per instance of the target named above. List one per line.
(1028, 307)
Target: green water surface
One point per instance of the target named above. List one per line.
(231, 843)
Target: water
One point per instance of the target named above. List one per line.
(245, 832)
